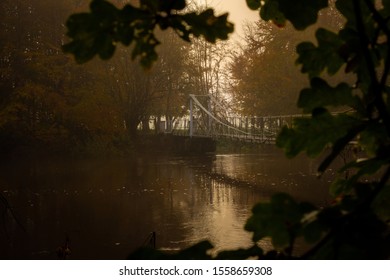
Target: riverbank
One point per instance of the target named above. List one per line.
(179, 145)
(113, 148)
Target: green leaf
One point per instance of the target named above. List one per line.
(199, 251)
(129, 14)
(365, 167)
(280, 10)
(339, 145)
(338, 187)
(92, 32)
(270, 11)
(145, 49)
(307, 207)
(107, 48)
(347, 9)
(386, 8)
(315, 60)
(253, 4)
(169, 5)
(151, 5)
(373, 138)
(350, 233)
(304, 135)
(313, 231)
(294, 11)
(381, 204)
(103, 9)
(321, 95)
(146, 253)
(329, 215)
(241, 254)
(279, 219)
(208, 25)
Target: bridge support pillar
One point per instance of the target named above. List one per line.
(191, 118)
(209, 129)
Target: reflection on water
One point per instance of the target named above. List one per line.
(108, 207)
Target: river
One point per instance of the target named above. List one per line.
(107, 208)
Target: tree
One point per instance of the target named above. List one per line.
(131, 88)
(140, 94)
(264, 77)
(46, 99)
(171, 99)
(360, 211)
(24, 103)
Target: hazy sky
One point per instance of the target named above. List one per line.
(238, 11)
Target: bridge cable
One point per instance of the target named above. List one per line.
(213, 117)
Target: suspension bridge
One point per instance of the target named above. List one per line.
(212, 118)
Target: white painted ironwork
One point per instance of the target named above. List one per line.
(213, 119)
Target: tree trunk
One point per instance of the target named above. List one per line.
(132, 128)
(145, 125)
(158, 124)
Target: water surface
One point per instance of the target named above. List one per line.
(107, 208)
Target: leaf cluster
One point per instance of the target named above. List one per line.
(263, 76)
(280, 11)
(361, 48)
(99, 31)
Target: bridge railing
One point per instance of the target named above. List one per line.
(250, 129)
(241, 128)
(205, 122)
